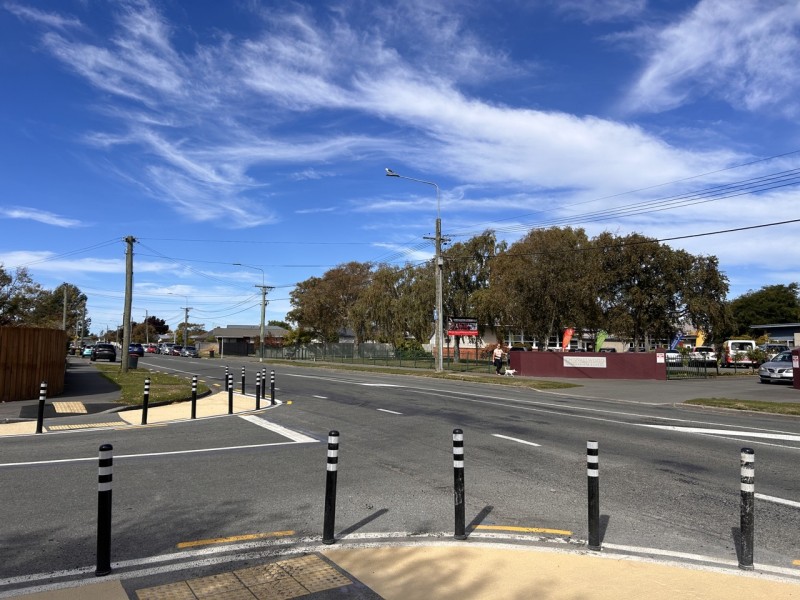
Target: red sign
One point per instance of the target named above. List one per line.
(462, 326)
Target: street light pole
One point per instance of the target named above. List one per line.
(264, 289)
(439, 266)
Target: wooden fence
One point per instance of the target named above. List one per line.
(29, 356)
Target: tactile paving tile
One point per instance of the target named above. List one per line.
(70, 407)
(261, 574)
(172, 591)
(321, 579)
(215, 584)
(82, 426)
(303, 564)
(280, 589)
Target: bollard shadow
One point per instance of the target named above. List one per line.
(356, 526)
(736, 536)
(604, 521)
(478, 519)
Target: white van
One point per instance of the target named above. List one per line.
(734, 352)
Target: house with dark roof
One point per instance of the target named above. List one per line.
(242, 340)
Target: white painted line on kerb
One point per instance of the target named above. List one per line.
(391, 412)
(279, 429)
(505, 437)
(778, 500)
(749, 434)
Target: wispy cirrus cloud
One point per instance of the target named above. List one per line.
(590, 11)
(44, 18)
(746, 53)
(41, 216)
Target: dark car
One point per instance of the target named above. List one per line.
(136, 349)
(104, 352)
(175, 351)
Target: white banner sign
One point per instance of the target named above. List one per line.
(592, 362)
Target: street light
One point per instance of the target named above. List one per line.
(263, 308)
(439, 264)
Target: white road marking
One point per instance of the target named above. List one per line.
(749, 434)
(153, 454)
(378, 384)
(778, 500)
(279, 429)
(392, 412)
(320, 397)
(505, 437)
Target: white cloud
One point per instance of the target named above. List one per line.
(746, 53)
(42, 216)
(44, 18)
(601, 10)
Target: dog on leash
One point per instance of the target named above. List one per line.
(509, 372)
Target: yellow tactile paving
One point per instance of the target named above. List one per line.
(281, 580)
(81, 426)
(70, 407)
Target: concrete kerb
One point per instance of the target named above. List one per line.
(214, 405)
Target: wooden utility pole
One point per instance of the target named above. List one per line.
(126, 316)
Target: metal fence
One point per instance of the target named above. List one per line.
(689, 368)
(384, 355)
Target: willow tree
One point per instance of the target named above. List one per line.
(545, 282)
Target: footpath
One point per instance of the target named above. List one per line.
(484, 566)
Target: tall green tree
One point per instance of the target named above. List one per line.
(18, 297)
(771, 304)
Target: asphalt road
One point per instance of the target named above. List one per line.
(669, 475)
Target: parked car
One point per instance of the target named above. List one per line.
(673, 357)
(151, 349)
(166, 348)
(190, 351)
(87, 351)
(703, 355)
(136, 349)
(104, 352)
(175, 350)
(734, 352)
(778, 369)
(772, 350)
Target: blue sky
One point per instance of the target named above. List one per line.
(257, 132)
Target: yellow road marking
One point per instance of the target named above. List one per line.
(234, 538)
(522, 529)
(796, 563)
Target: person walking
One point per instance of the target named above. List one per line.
(497, 358)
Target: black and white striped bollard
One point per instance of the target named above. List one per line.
(194, 396)
(458, 483)
(243, 375)
(230, 394)
(104, 477)
(264, 383)
(272, 388)
(40, 413)
(145, 401)
(258, 390)
(330, 488)
(593, 477)
(746, 526)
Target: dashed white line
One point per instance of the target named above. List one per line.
(320, 397)
(505, 437)
(279, 429)
(778, 500)
(391, 412)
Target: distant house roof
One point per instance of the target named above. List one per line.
(779, 331)
(248, 331)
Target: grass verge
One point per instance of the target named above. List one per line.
(538, 384)
(163, 387)
(778, 408)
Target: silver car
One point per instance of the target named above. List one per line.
(778, 369)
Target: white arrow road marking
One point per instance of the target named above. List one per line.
(392, 412)
(751, 434)
(505, 437)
